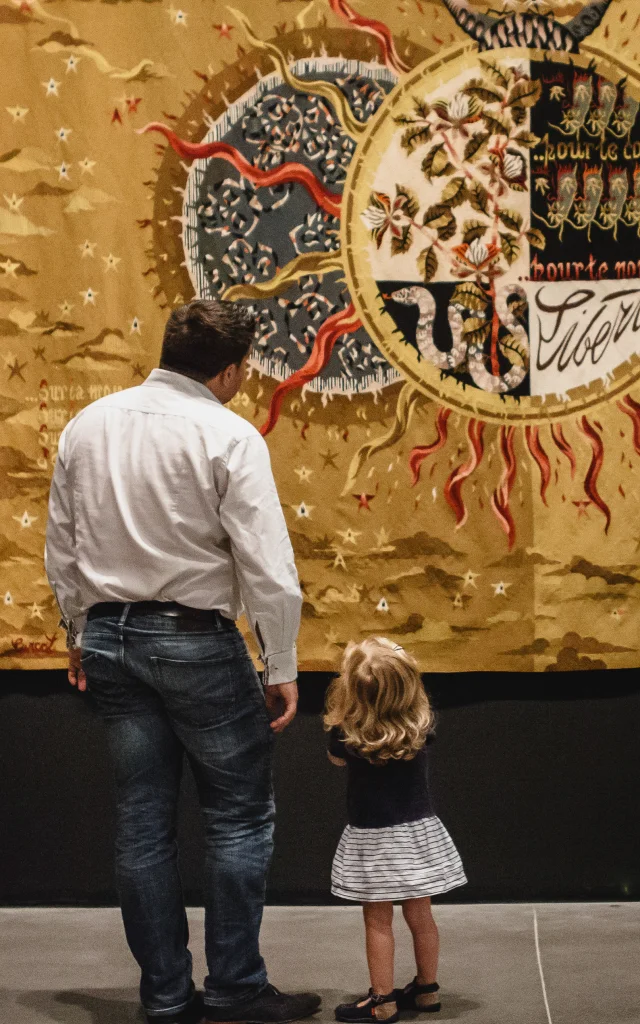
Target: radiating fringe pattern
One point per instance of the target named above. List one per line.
(500, 497)
(317, 87)
(540, 457)
(317, 263)
(564, 446)
(406, 403)
(453, 486)
(591, 479)
(632, 409)
(375, 28)
(419, 454)
(283, 175)
(345, 321)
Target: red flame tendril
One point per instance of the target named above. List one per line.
(284, 174)
(500, 497)
(541, 458)
(419, 454)
(343, 322)
(564, 446)
(375, 28)
(453, 486)
(632, 409)
(591, 479)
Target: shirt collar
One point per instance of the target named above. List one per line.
(159, 378)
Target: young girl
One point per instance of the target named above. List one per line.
(394, 847)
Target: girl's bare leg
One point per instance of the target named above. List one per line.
(426, 941)
(378, 923)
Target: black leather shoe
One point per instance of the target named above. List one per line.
(269, 1007)
(369, 1009)
(191, 1014)
(423, 998)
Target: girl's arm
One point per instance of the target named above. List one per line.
(338, 761)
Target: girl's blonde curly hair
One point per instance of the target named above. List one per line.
(379, 703)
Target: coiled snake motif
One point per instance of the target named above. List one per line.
(461, 350)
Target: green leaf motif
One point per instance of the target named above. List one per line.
(448, 229)
(494, 72)
(525, 93)
(471, 295)
(403, 244)
(454, 193)
(496, 125)
(411, 204)
(417, 135)
(528, 139)
(478, 197)
(536, 238)
(472, 229)
(436, 215)
(427, 264)
(421, 108)
(511, 219)
(476, 331)
(475, 144)
(436, 162)
(510, 247)
(482, 90)
(516, 351)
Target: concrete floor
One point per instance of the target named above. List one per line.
(500, 964)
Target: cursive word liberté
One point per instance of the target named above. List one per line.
(577, 329)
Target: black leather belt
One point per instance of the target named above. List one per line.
(169, 609)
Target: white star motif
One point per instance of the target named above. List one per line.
(65, 307)
(382, 605)
(339, 562)
(62, 134)
(36, 612)
(9, 267)
(469, 579)
(136, 324)
(86, 166)
(382, 537)
(63, 171)
(87, 248)
(8, 599)
(178, 17)
(89, 297)
(500, 589)
(458, 602)
(72, 63)
(51, 87)
(25, 520)
(303, 473)
(303, 511)
(349, 536)
(111, 261)
(13, 202)
(17, 113)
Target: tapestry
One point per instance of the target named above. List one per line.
(433, 208)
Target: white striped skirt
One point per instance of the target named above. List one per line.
(401, 862)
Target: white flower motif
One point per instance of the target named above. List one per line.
(477, 252)
(513, 166)
(459, 107)
(374, 217)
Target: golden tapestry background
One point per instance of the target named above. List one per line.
(92, 259)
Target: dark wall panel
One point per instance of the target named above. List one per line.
(539, 794)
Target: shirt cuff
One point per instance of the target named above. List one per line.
(281, 667)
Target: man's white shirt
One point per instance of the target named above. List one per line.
(161, 493)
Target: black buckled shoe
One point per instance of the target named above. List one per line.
(269, 1007)
(423, 998)
(191, 1014)
(372, 1008)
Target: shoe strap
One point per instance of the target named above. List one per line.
(378, 1000)
(414, 987)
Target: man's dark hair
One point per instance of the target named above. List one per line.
(204, 337)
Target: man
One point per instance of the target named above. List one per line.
(164, 521)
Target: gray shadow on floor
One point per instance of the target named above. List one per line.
(111, 1006)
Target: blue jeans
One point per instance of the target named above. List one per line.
(164, 693)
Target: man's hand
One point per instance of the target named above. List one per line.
(282, 701)
(76, 675)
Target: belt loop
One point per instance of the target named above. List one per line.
(125, 613)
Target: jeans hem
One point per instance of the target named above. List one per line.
(169, 1009)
